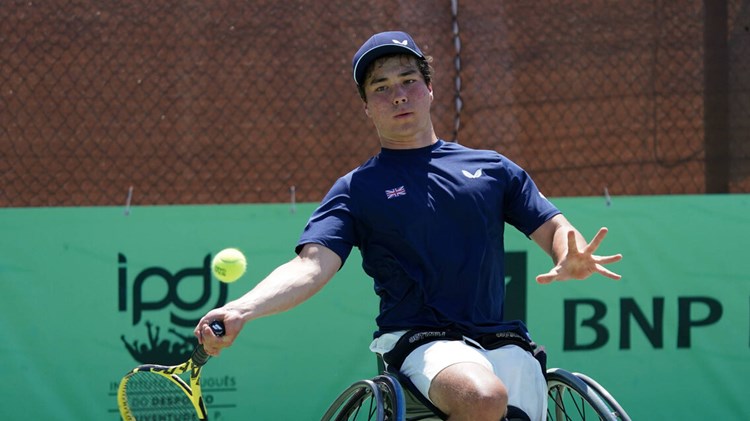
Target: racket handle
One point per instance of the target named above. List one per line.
(217, 326)
(200, 356)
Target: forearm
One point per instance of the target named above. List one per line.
(552, 237)
(559, 244)
(286, 287)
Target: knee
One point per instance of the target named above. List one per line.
(489, 402)
(489, 399)
(470, 394)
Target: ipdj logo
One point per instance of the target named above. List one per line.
(184, 294)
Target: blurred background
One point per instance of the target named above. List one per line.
(193, 102)
(138, 138)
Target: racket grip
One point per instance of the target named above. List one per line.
(217, 326)
(200, 356)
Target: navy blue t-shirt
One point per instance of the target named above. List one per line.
(429, 224)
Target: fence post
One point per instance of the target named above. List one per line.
(716, 97)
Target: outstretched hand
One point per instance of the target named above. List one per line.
(580, 264)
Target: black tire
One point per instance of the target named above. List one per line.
(570, 398)
(378, 399)
(614, 406)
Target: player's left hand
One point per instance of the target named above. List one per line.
(580, 264)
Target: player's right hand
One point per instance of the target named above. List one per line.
(212, 343)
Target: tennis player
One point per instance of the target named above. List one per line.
(428, 217)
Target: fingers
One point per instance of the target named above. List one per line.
(202, 325)
(212, 344)
(198, 331)
(580, 267)
(594, 244)
(547, 278)
(572, 244)
(608, 273)
(605, 260)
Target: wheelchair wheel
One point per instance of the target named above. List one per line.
(572, 398)
(378, 399)
(606, 397)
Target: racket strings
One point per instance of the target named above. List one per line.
(151, 396)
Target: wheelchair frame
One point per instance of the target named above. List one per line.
(571, 396)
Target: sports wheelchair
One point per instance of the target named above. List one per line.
(391, 396)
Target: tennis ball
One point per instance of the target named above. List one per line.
(229, 265)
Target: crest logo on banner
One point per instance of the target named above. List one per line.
(168, 305)
(163, 306)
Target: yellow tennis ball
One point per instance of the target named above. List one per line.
(229, 265)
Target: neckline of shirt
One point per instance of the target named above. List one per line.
(412, 152)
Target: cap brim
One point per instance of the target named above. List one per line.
(364, 62)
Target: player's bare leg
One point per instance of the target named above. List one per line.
(469, 391)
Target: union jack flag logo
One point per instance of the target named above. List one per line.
(398, 191)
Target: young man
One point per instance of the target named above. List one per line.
(428, 217)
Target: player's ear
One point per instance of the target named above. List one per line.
(367, 109)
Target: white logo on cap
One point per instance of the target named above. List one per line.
(404, 42)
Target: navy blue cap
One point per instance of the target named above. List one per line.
(379, 45)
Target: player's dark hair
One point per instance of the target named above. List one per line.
(423, 64)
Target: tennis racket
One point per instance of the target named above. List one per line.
(157, 392)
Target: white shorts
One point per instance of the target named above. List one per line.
(516, 368)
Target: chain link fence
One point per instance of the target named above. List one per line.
(228, 101)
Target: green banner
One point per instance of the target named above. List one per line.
(88, 293)
(678, 321)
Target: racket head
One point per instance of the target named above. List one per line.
(155, 391)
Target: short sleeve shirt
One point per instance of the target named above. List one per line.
(429, 224)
